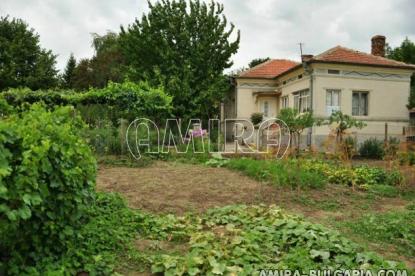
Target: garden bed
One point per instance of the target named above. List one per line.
(177, 188)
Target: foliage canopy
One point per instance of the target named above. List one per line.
(23, 62)
(47, 181)
(184, 46)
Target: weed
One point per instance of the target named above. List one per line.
(395, 228)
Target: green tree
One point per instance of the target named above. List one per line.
(257, 61)
(343, 122)
(22, 60)
(83, 77)
(296, 122)
(106, 65)
(184, 46)
(405, 53)
(68, 75)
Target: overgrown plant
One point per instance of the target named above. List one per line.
(297, 122)
(372, 148)
(256, 118)
(126, 100)
(47, 180)
(342, 123)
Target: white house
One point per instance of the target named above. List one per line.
(369, 87)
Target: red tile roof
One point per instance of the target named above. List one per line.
(269, 69)
(276, 67)
(341, 54)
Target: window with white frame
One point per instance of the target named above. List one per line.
(332, 101)
(265, 108)
(360, 103)
(284, 102)
(302, 101)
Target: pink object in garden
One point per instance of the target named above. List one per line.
(199, 133)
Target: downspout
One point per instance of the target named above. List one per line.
(309, 71)
(312, 102)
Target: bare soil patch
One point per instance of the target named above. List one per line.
(176, 188)
(168, 187)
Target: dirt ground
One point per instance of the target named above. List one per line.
(168, 187)
(176, 188)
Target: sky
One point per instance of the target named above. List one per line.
(269, 28)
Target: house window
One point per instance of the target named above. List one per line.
(265, 108)
(333, 72)
(302, 101)
(360, 103)
(284, 102)
(332, 101)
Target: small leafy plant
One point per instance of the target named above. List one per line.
(256, 118)
(372, 148)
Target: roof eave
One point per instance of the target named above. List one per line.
(409, 67)
(258, 77)
(292, 69)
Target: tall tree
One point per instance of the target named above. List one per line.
(22, 61)
(405, 53)
(184, 46)
(106, 65)
(83, 78)
(68, 74)
(257, 61)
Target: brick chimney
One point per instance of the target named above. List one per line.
(378, 45)
(305, 58)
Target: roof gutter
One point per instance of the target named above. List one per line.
(407, 67)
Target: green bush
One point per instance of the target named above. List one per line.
(5, 108)
(372, 148)
(407, 158)
(126, 100)
(278, 172)
(104, 140)
(256, 118)
(47, 179)
(370, 175)
(361, 176)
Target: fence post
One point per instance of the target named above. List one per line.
(386, 133)
(122, 133)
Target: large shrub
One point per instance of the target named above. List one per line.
(118, 100)
(132, 99)
(5, 108)
(372, 148)
(47, 178)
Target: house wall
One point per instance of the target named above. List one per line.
(247, 103)
(293, 84)
(388, 95)
(245, 99)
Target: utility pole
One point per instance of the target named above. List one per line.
(301, 48)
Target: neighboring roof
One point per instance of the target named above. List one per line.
(269, 69)
(344, 55)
